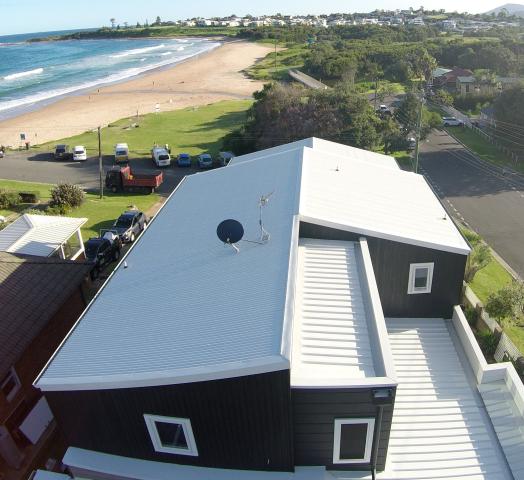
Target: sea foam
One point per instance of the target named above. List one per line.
(27, 73)
(137, 51)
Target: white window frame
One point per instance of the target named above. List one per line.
(155, 437)
(18, 385)
(369, 439)
(411, 283)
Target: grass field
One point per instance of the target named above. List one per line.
(490, 280)
(191, 130)
(100, 212)
(291, 57)
(485, 150)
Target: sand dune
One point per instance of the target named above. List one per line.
(210, 77)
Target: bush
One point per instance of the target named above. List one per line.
(471, 315)
(66, 196)
(35, 211)
(488, 342)
(9, 199)
(57, 210)
(507, 302)
(472, 102)
(29, 197)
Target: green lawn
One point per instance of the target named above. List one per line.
(485, 150)
(516, 334)
(101, 213)
(490, 280)
(191, 130)
(290, 58)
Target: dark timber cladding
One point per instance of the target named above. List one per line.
(239, 423)
(314, 414)
(391, 261)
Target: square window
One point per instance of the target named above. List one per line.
(353, 440)
(10, 384)
(420, 278)
(171, 435)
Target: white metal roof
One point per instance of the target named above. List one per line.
(440, 427)
(39, 235)
(188, 308)
(331, 342)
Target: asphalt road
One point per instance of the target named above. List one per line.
(42, 167)
(483, 196)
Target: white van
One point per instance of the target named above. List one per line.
(161, 157)
(121, 152)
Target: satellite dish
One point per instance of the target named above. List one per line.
(230, 231)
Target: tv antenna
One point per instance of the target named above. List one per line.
(264, 234)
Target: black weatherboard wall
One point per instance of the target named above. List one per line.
(240, 423)
(314, 414)
(391, 261)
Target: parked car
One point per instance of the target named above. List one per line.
(205, 160)
(121, 153)
(412, 143)
(224, 158)
(183, 160)
(79, 153)
(161, 157)
(129, 225)
(383, 110)
(63, 152)
(101, 251)
(452, 122)
(124, 179)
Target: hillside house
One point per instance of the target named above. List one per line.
(471, 85)
(326, 344)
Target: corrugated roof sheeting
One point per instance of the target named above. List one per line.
(38, 235)
(440, 429)
(186, 302)
(331, 341)
(359, 196)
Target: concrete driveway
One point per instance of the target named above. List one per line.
(42, 167)
(486, 198)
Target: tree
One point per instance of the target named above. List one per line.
(113, 22)
(508, 302)
(393, 138)
(407, 115)
(158, 21)
(509, 106)
(477, 260)
(443, 97)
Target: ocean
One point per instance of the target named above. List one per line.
(32, 74)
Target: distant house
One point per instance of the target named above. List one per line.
(326, 343)
(471, 85)
(40, 299)
(448, 79)
(44, 236)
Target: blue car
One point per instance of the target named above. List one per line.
(205, 160)
(184, 160)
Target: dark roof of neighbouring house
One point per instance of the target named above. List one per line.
(32, 289)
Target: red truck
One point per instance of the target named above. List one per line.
(123, 179)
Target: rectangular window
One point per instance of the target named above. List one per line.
(10, 384)
(353, 440)
(420, 278)
(171, 435)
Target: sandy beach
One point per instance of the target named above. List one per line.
(204, 79)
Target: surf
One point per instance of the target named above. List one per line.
(27, 73)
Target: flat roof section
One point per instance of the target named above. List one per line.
(331, 341)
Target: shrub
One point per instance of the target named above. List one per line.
(66, 196)
(29, 196)
(9, 199)
(507, 302)
(471, 315)
(58, 210)
(488, 342)
(35, 211)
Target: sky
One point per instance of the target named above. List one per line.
(27, 16)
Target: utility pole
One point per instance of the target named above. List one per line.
(376, 92)
(419, 122)
(100, 166)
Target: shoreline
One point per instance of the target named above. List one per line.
(168, 87)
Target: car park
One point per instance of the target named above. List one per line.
(183, 160)
(123, 179)
(63, 152)
(161, 157)
(129, 225)
(79, 153)
(101, 251)
(452, 122)
(205, 160)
